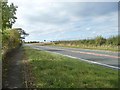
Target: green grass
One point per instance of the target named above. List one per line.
(57, 71)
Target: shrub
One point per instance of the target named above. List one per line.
(10, 39)
(100, 40)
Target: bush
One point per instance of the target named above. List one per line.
(10, 39)
(100, 40)
(114, 40)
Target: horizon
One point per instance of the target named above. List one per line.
(72, 39)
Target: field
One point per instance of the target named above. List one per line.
(57, 71)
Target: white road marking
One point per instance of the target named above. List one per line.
(102, 64)
(111, 56)
(87, 60)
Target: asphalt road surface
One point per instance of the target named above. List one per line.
(100, 57)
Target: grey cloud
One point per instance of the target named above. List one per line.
(87, 9)
(76, 9)
(48, 18)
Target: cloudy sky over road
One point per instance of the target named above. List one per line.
(66, 20)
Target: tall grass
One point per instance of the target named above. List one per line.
(99, 42)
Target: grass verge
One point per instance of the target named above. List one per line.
(107, 48)
(57, 71)
(82, 46)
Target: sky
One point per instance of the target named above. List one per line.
(66, 20)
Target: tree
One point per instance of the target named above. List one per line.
(22, 32)
(8, 15)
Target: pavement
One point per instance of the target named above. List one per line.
(101, 57)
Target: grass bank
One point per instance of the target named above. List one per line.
(103, 47)
(82, 46)
(57, 71)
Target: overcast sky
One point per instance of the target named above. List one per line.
(66, 20)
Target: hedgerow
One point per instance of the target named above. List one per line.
(98, 41)
(10, 40)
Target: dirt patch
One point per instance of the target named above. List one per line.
(12, 75)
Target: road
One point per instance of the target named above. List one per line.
(100, 57)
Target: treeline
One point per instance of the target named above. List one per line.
(33, 42)
(11, 38)
(98, 41)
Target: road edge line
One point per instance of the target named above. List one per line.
(97, 63)
(88, 61)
